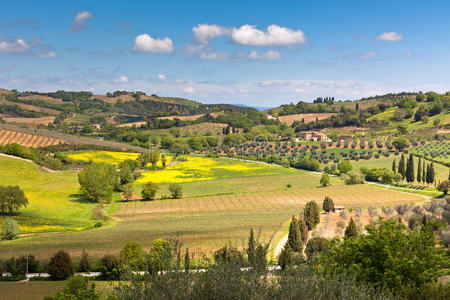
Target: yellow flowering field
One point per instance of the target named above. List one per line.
(197, 168)
(109, 157)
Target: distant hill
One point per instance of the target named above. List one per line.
(259, 108)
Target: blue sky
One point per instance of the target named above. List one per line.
(261, 53)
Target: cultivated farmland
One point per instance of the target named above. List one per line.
(289, 119)
(222, 200)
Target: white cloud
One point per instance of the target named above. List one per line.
(409, 53)
(121, 79)
(189, 90)
(203, 33)
(368, 55)
(269, 55)
(80, 21)
(275, 35)
(14, 45)
(146, 44)
(390, 37)
(162, 77)
(47, 54)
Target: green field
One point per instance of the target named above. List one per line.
(439, 151)
(386, 162)
(36, 290)
(223, 199)
(54, 199)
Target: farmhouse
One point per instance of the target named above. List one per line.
(312, 136)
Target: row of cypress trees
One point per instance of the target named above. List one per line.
(425, 172)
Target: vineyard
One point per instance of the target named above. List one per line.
(27, 140)
(41, 138)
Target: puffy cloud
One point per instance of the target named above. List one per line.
(121, 79)
(80, 21)
(144, 43)
(189, 90)
(13, 45)
(390, 37)
(368, 55)
(269, 55)
(275, 35)
(203, 33)
(47, 54)
(162, 77)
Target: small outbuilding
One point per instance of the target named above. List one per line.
(338, 208)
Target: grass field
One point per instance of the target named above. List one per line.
(222, 200)
(54, 203)
(203, 224)
(386, 162)
(36, 290)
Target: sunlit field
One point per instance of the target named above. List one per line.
(54, 200)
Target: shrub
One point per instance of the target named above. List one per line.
(10, 229)
(345, 166)
(60, 266)
(175, 190)
(84, 266)
(109, 266)
(78, 287)
(149, 191)
(229, 255)
(325, 180)
(132, 256)
(315, 246)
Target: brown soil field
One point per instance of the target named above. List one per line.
(182, 118)
(289, 119)
(138, 124)
(31, 121)
(107, 99)
(28, 140)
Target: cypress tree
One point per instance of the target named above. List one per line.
(294, 236)
(187, 261)
(428, 177)
(419, 170)
(311, 214)
(410, 169)
(303, 229)
(432, 174)
(351, 230)
(424, 172)
(394, 167)
(328, 204)
(251, 247)
(402, 167)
